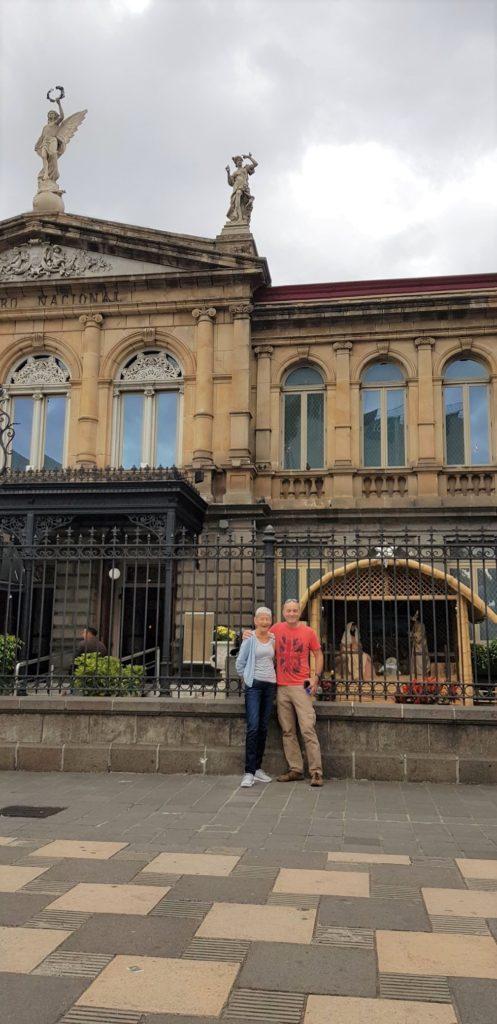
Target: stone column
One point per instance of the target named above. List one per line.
(91, 325)
(204, 387)
(240, 387)
(426, 408)
(343, 420)
(263, 413)
(36, 454)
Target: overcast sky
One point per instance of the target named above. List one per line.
(374, 123)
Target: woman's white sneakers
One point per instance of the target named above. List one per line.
(249, 779)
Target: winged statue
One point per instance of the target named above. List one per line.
(55, 135)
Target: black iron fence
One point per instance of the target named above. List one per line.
(400, 617)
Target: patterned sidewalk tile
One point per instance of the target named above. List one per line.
(192, 864)
(344, 1010)
(75, 848)
(250, 1004)
(370, 858)
(22, 949)
(460, 902)
(453, 956)
(162, 985)
(258, 923)
(322, 883)
(13, 878)
(74, 965)
(310, 968)
(477, 868)
(110, 899)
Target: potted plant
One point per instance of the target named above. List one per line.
(484, 662)
(10, 646)
(98, 675)
(223, 638)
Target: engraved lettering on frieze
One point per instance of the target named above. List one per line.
(34, 263)
(151, 367)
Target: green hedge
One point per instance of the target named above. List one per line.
(97, 675)
(10, 648)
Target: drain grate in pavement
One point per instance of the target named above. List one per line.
(231, 950)
(254, 871)
(63, 920)
(180, 908)
(152, 879)
(410, 986)
(349, 938)
(47, 888)
(482, 884)
(291, 899)
(74, 965)
(265, 1007)
(23, 811)
(390, 891)
(94, 1015)
(459, 925)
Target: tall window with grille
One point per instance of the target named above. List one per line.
(466, 413)
(303, 419)
(146, 420)
(383, 415)
(38, 395)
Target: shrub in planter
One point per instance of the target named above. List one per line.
(222, 633)
(10, 647)
(484, 663)
(97, 675)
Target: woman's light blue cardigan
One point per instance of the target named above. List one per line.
(245, 662)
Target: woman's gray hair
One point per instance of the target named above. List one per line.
(263, 611)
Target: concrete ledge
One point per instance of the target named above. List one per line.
(361, 741)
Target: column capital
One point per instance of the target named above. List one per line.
(342, 346)
(241, 311)
(428, 342)
(204, 313)
(91, 320)
(263, 350)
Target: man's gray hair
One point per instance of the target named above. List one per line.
(263, 611)
(291, 600)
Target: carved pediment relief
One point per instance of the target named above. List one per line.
(41, 262)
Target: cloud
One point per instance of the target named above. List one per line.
(375, 213)
(374, 123)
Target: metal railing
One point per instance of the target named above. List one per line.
(400, 617)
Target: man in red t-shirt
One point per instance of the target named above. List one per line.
(294, 642)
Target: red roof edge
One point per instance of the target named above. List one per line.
(389, 286)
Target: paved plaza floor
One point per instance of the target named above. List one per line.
(173, 899)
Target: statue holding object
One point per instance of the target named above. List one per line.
(55, 135)
(419, 656)
(241, 201)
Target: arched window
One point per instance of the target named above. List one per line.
(383, 415)
(303, 419)
(38, 389)
(466, 412)
(147, 393)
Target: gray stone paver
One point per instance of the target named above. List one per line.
(271, 827)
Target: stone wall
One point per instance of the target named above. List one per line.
(391, 742)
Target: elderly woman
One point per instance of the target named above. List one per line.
(256, 663)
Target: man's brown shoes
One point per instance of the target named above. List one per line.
(290, 776)
(316, 779)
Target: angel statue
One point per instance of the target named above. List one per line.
(55, 135)
(241, 201)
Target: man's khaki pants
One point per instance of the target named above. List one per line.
(293, 703)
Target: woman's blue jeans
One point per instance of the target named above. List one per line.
(259, 700)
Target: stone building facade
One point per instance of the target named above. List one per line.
(328, 400)
(355, 406)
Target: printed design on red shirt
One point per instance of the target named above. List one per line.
(291, 655)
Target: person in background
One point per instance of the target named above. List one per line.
(89, 643)
(296, 686)
(255, 662)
